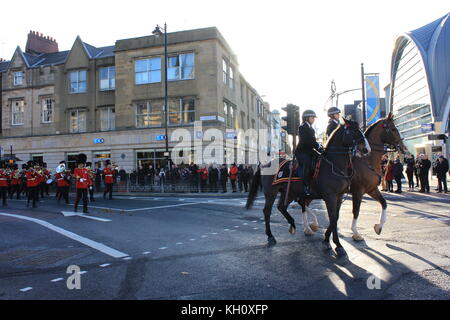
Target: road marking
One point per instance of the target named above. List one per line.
(146, 252)
(57, 279)
(26, 289)
(163, 248)
(191, 239)
(105, 265)
(162, 207)
(127, 258)
(71, 214)
(88, 242)
(178, 243)
(82, 272)
(204, 236)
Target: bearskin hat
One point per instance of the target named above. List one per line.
(81, 158)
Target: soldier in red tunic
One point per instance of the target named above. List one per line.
(5, 174)
(108, 174)
(32, 183)
(62, 184)
(81, 175)
(16, 179)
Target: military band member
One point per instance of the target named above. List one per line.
(91, 180)
(46, 174)
(81, 175)
(5, 174)
(62, 185)
(16, 182)
(108, 174)
(32, 183)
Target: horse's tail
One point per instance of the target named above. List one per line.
(256, 182)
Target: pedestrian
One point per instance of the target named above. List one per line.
(397, 171)
(91, 180)
(224, 177)
(410, 164)
(233, 176)
(389, 176)
(213, 178)
(245, 177)
(203, 173)
(416, 172)
(98, 176)
(193, 168)
(423, 171)
(240, 177)
(442, 168)
(81, 175)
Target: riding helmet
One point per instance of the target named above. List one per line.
(333, 110)
(308, 113)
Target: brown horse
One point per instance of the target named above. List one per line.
(330, 185)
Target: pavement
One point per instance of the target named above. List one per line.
(207, 246)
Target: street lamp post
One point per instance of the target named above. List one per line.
(157, 32)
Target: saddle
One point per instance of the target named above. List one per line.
(283, 171)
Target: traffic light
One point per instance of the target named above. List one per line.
(292, 119)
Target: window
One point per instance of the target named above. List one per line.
(18, 78)
(148, 114)
(47, 110)
(107, 119)
(147, 70)
(225, 71)
(77, 121)
(231, 82)
(229, 115)
(78, 81)
(180, 67)
(182, 111)
(108, 78)
(17, 112)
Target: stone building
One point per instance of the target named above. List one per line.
(108, 102)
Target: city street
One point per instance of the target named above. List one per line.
(207, 246)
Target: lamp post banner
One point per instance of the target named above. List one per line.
(373, 98)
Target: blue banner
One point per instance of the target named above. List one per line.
(373, 99)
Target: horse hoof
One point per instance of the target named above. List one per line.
(314, 227)
(308, 232)
(377, 229)
(341, 252)
(292, 229)
(326, 246)
(271, 241)
(357, 237)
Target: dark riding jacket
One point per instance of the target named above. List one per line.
(307, 139)
(332, 124)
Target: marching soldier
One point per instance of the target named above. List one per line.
(16, 182)
(108, 174)
(4, 176)
(304, 152)
(91, 181)
(46, 175)
(62, 184)
(333, 123)
(81, 175)
(32, 183)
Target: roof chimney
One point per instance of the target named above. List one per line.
(37, 43)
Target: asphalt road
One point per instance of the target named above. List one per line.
(209, 247)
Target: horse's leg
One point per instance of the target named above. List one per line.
(375, 193)
(270, 199)
(315, 224)
(306, 226)
(331, 206)
(339, 249)
(283, 209)
(356, 198)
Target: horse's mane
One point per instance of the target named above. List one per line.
(373, 125)
(330, 138)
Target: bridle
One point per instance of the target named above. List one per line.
(387, 135)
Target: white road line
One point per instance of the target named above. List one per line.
(127, 258)
(26, 289)
(88, 242)
(105, 265)
(162, 207)
(57, 279)
(163, 248)
(146, 252)
(178, 243)
(71, 214)
(82, 272)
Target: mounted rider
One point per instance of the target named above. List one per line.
(304, 152)
(333, 123)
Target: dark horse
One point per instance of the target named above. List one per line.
(331, 184)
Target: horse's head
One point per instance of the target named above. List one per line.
(354, 138)
(390, 135)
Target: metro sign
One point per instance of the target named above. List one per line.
(99, 140)
(160, 137)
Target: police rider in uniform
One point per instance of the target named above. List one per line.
(304, 152)
(333, 123)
